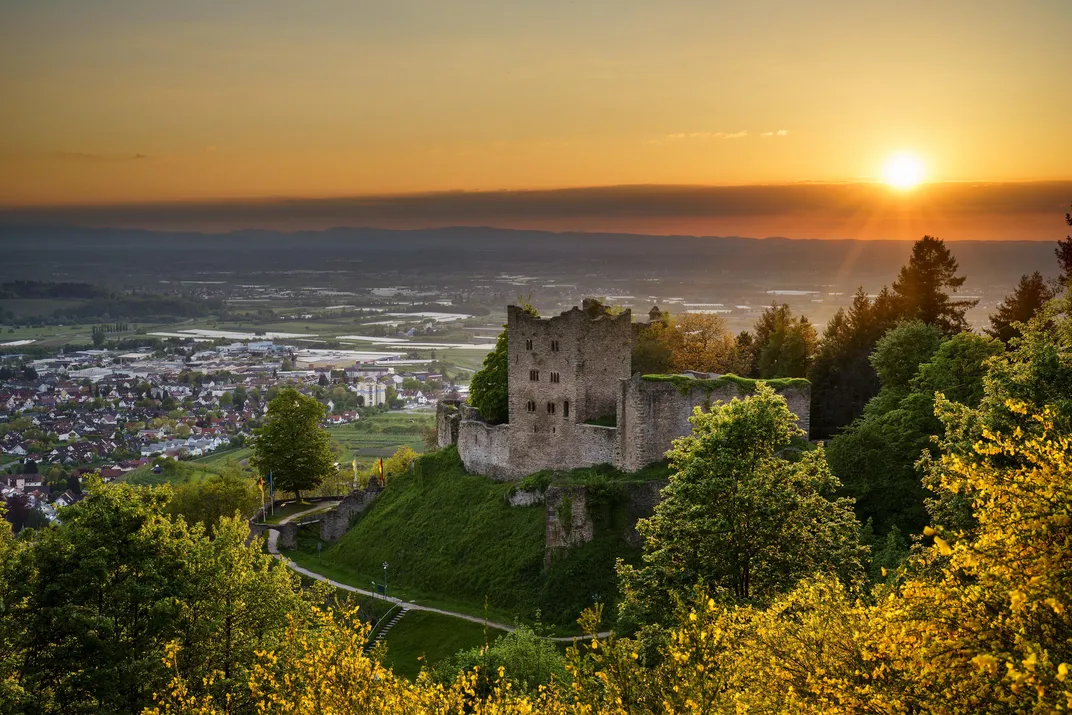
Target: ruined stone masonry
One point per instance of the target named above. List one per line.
(569, 371)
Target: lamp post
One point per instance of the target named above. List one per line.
(385, 565)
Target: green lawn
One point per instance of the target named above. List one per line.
(424, 639)
(283, 511)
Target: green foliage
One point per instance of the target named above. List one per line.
(425, 640)
(538, 482)
(445, 531)
(292, 445)
(900, 352)
(1035, 371)
(875, 458)
(745, 385)
(923, 286)
(207, 502)
(449, 533)
(91, 606)
(489, 389)
(783, 346)
(527, 662)
(1026, 301)
(737, 519)
(650, 354)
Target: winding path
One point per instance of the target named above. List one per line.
(273, 549)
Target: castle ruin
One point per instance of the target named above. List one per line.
(573, 402)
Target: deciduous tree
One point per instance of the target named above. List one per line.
(738, 517)
(291, 444)
(489, 389)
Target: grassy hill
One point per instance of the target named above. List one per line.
(452, 539)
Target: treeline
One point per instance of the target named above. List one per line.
(44, 289)
(137, 306)
(111, 328)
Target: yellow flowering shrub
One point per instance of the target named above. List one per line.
(978, 621)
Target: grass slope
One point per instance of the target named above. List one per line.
(423, 638)
(452, 540)
(447, 532)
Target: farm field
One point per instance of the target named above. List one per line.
(381, 435)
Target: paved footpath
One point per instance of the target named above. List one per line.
(273, 548)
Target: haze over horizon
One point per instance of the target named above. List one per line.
(117, 103)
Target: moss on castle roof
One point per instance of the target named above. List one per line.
(685, 383)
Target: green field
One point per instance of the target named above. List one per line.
(173, 473)
(226, 457)
(380, 435)
(424, 639)
(454, 542)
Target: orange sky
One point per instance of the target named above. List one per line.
(141, 101)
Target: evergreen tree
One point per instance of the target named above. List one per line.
(923, 286)
(1030, 295)
(784, 346)
(875, 458)
(842, 377)
(1064, 254)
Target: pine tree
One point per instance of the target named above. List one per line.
(1064, 253)
(1030, 295)
(922, 287)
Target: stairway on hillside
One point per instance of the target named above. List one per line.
(382, 634)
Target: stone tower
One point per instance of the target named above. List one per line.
(564, 370)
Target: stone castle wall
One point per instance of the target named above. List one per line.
(652, 414)
(566, 370)
(485, 449)
(336, 522)
(563, 371)
(448, 420)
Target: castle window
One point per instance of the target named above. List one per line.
(550, 408)
(565, 408)
(531, 406)
(554, 346)
(534, 375)
(554, 377)
(528, 344)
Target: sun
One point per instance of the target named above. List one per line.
(903, 171)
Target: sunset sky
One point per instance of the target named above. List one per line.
(117, 102)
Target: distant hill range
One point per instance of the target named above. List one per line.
(95, 254)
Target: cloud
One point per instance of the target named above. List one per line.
(951, 210)
(779, 133)
(88, 156)
(680, 136)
